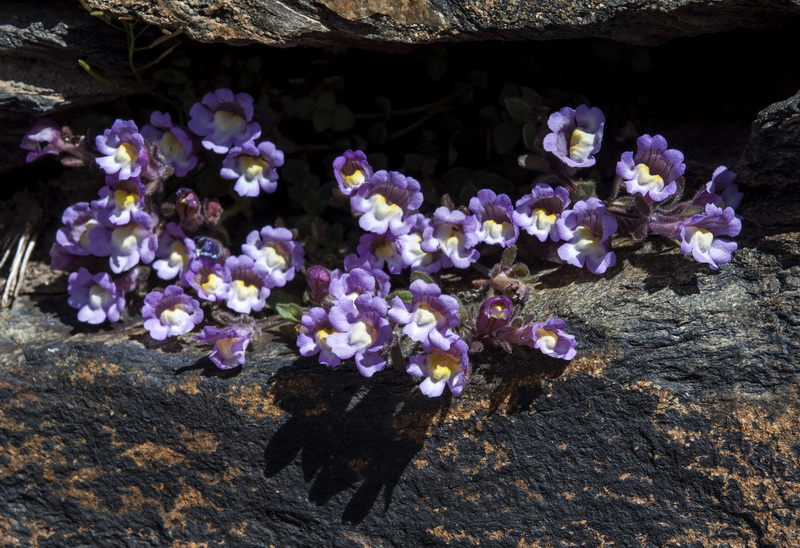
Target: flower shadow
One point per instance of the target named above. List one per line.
(349, 433)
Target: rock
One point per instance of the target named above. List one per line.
(381, 23)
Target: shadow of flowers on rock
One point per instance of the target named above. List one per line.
(349, 432)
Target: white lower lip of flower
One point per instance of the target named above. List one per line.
(244, 292)
(98, 297)
(645, 179)
(424, 316)
(125, 238)
(580, 145)
(174, 317)
(225, 347)
(496, 231)
(179, 255)
(211, 284)
(228, 122)
(126, 154)
(362, 335)
(273, 258)
(87, 228)
(699, 238)
(124, 200)
(322, 338)
(355, 179)
(543, 220)
(546, 338)
(171, 147)
(585, 239)
(441, 365)
(382, 210)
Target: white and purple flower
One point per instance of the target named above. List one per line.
(720, 190)
(588, 230)
(429, 317)
(223, 120)
(380, 250)
(654, 170)
(124, 150)
(121, 199)
(351, 170)
(494, 314)
(493, 213)
(169, 313)
(363, 331)
(175, 252)
(173, 143)
(455, 235)
(699, 235)
(441, 368)
(253, 168)
(550, 338)
(96, 297)
(411, 250)
(133, 243)
(275, 249)
(385, 202)
(576, 135)
(84, 232)
(537, 213)
(250, 284)
(210, 279)
(230, 345)
(313, 337)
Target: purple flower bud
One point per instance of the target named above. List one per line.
(224, 120)
(96, 296)
(170, 313)
(124, 149)
(313, 337)
(495, 313)
(351, 170)
(441, 367)
(275, 250)
(653, 170)
(318, 279)
(385, 202)
(253, 168)
(588, 230)
(173, 143)
(493, 213)
(720, 190)
(551, 339)
(699, 235)
(537, 212)
(429, 316)
(229, 345)
(576, 135)
(188, 205)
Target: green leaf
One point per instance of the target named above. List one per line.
(518, 108)
(509, 256)
(419, 275)
(343, 119)
(404, 294)
(326, 101)
(321, 120)
(303, 107)
(289, 311)
(506, 136)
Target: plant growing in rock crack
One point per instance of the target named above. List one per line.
(387, 299)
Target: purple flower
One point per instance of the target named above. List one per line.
(380, 249)
(250, 284)
(313, 337)
(575, 135)
(352, 262)
(132, 243)
(211, 280)
(252, 167)
(223, 120)
(351, 170)
(699, 235)
(537, 212)
(653, 170)
(588, 230)
(175, 252)
(174, 144)
(124, 149)
(274, 249)
(83, 232)
(720, 190)
(121, 200)
(493, 213)
(229, 345)
(441, 367)
(454, 234)
(551, 339)
(495, 313)
(45, 137)
(363, 331)
(96, 296)
(410, 244)
(385, 201)
(170, 313)
(351, 285)
(429, 316)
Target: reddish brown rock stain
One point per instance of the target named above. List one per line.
(149, 453)
(404, 12)
(440, 532)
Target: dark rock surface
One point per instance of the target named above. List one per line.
(378, 23)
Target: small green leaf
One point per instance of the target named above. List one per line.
(404, 294)
(419, 275)
(343, 119)
(518, 108)
(321, 120)
(326, 101)
(303, 107)
(509, 256)
(289, 311)
(506, 136)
